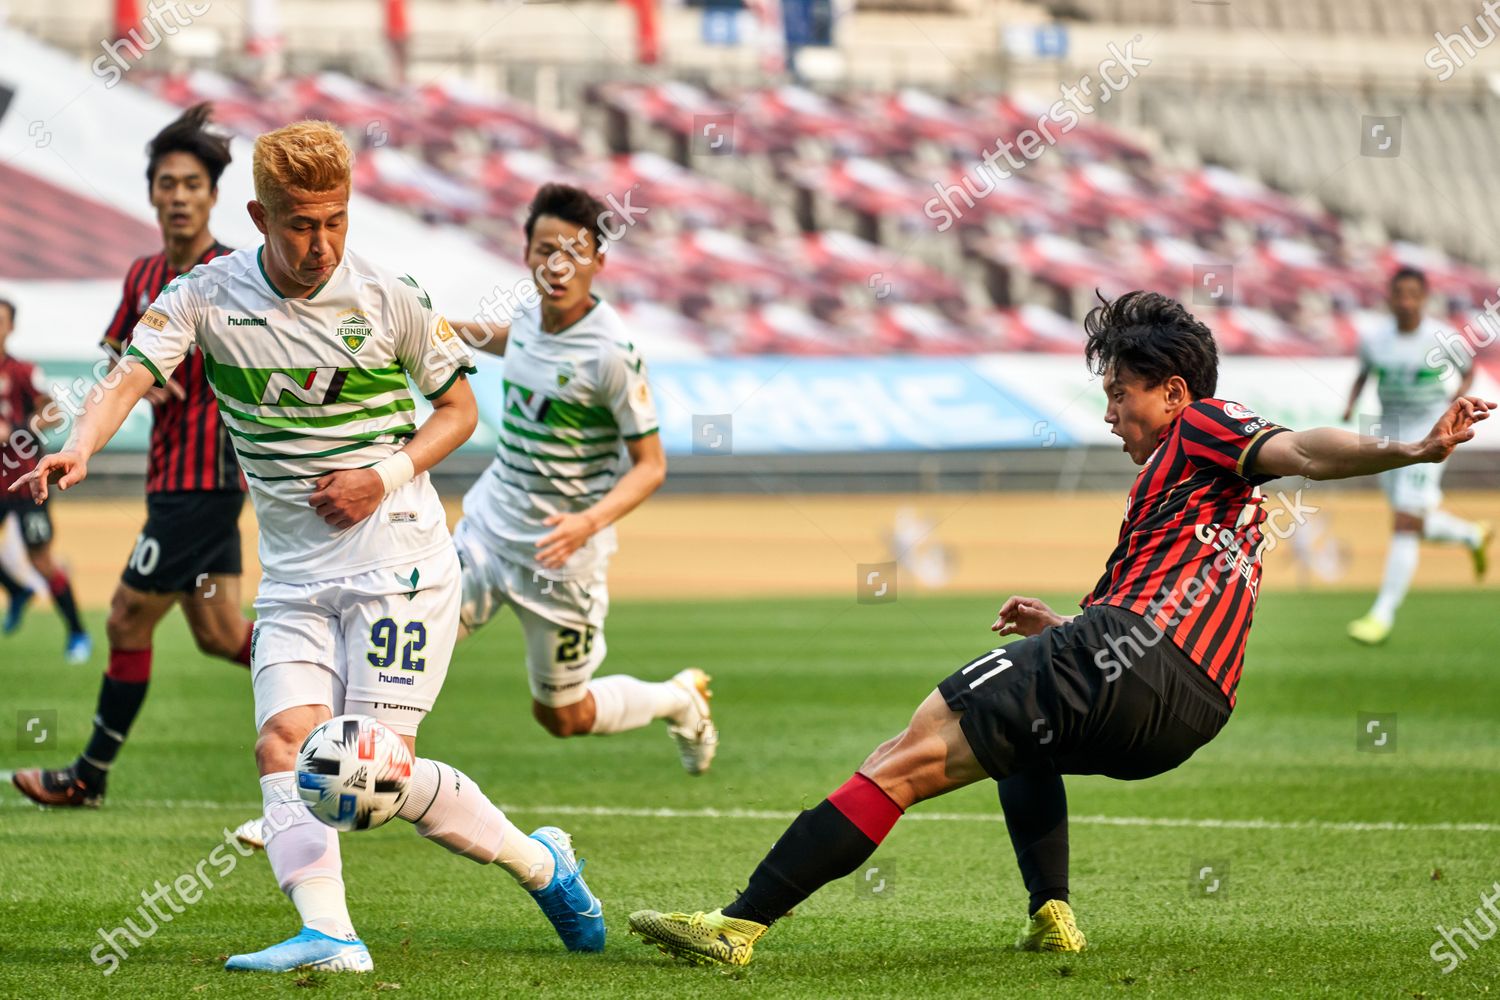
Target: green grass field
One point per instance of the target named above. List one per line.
(1318, 897)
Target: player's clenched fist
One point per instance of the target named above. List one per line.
(67, 467)
(1025, 616)
(347, 497)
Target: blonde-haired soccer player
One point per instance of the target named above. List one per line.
(308, 349)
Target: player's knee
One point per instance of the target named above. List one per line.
(1409, 522)
(126, 614)
(562, 721)
(276, 746)
(217, 642)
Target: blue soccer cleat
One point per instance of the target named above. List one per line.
(17, 610)
(310, 949)
(575, 912)
(80, 648)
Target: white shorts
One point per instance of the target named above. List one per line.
(1415, 489)
(562, 619)
(377, 643)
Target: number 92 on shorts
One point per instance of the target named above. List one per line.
(379, 641)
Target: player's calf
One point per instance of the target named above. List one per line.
(830, 840)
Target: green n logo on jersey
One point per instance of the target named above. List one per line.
(531, 405)
(320, 388)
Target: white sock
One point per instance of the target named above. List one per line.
(1400, 566)
(1441, 526)
(622, 703)
(304, 856)
(447, 807)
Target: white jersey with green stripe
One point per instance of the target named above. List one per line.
(572, 400)
(1412, 391)
(312, 386)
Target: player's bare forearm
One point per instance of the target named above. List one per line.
(1355, 391)
(569, 532)
(483, 334)
(1330, 453)
(108, 405)
(454, 417)
(648, 470)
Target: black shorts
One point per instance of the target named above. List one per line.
(1046, 701)
(188, 535)
(36, 523)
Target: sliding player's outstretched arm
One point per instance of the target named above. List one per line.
(103, 413)
(1330, 453)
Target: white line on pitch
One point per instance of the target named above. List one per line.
(1160, 822)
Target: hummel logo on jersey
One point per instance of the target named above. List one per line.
(422, 296)
(410, 582)
(247, 321)
(320, 387)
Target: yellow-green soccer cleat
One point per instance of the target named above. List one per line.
(1052, 928)
(1481, 552)
(699, 938)
(1369, 630)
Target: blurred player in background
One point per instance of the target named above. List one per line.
(1412, 396)
(359, 599)
(537, 531)
(1131, 687)
(23, 398)
(189, 549)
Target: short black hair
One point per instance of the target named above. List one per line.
(11, 306)
(571, 204)
(190, 134)
(1413, 273)
(1154, 337)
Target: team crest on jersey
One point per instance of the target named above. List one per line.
(1237, 412)
(565, 373)
(354, 330)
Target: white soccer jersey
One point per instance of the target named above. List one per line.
(1412, 391)
(312, 386)
(572, 399)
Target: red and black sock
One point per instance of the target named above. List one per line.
(62, 596)
(1036, 814)
(824, 843)
(121, 694)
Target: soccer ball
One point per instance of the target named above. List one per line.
(353, 772)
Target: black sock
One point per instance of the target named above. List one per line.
(62, 596)
(13, 587)
(119, 703)
(822, 844)
(1036, 814)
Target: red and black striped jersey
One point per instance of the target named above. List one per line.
(1188, 557)
(22, 390)
(190, 448)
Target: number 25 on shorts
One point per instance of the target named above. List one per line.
(385, 636)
